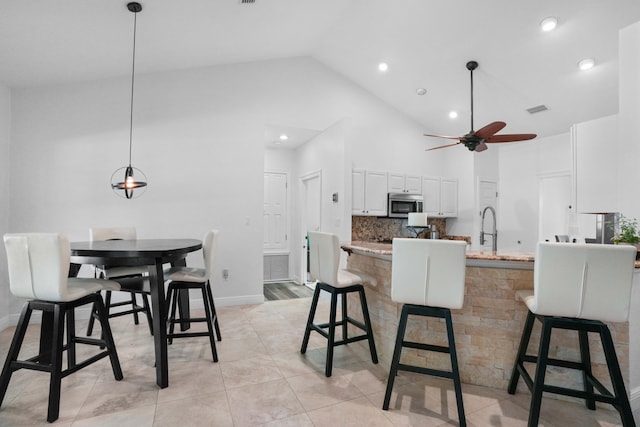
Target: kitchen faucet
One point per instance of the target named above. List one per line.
(494, 235)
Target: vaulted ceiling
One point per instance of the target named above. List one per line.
(426, 44)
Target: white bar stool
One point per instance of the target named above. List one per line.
(576, 287)
(38, 269)
(427, 277)
(324, 251)
(187, 278)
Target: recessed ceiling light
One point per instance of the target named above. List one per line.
(421, 91)
(586, 64)
(453, 114)
(549, 24)
(283, 137)
(383, 66)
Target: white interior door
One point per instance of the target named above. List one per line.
(487, 196)
(275, 211)
(311, 215)
(554, 206)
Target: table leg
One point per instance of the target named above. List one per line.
(156, 278)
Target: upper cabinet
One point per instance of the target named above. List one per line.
(369, 193)
(595, 155)
(403, 183)
(440, 196)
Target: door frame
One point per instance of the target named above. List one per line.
(304, 179)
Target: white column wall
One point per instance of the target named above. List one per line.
(5, 132)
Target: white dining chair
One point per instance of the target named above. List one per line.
(427, 277)
(38, 269)
(186, 278)
(576, 287)
(132, 279)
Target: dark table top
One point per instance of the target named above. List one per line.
(135, 250)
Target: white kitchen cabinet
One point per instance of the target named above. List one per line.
(403, 183)
(440, 196)
(369, 193)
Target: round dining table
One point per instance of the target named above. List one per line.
(154, 253)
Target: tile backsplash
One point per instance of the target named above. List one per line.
(375, 229)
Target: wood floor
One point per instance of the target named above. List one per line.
(285, 290)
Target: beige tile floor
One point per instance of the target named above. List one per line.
(261, 380)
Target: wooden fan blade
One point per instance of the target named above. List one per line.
(443, 146)
(489, 130)
(480, 147)
(443, 136)
(510, 138)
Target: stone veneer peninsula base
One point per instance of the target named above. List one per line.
(488, 327)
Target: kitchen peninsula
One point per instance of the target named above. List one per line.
(488, 327)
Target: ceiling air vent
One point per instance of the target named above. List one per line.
(537, 109)
(247, 1)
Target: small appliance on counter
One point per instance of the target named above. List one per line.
(417, 222)
(402, 204)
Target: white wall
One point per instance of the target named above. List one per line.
(5, 128)
(520, 166)
(198, 136)
(629, 129)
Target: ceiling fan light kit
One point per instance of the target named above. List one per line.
(134, 178)
(478, 140)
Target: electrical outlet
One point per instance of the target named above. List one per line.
(225, 274)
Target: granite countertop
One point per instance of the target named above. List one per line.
(384, 249)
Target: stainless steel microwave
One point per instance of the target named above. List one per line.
(401, 204)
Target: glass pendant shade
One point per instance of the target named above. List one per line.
(127, 179)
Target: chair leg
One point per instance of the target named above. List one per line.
(136, 319)
(147, 311)
(108, 338)
(393, 371)
(522, 351)
(56, 364)
(332, 333)
(367, 323)
(585, 359)
(619, 390)
(14, 349)
(208, 314)
(541, 369)
(454, 368)
(343, 300)
(71, 337)
(312, 314)
(172, 297)
(91, 320)
(213, 311)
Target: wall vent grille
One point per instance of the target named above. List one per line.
(537, 109)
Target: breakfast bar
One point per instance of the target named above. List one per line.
(488, 327)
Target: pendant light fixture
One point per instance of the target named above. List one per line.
(134, 178)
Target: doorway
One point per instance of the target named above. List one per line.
(310, 218)
(554, 205)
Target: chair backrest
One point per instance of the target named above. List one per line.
(324, 256)
(38, 265)
(208, 250)
(588, 281)
(428, 272)
(112, 233)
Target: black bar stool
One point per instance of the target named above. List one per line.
(427, 276)
(324, 253)
(576, 287)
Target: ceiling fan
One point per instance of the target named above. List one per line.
(477, 140)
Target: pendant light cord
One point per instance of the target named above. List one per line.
(133, 74)
(472, 129)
